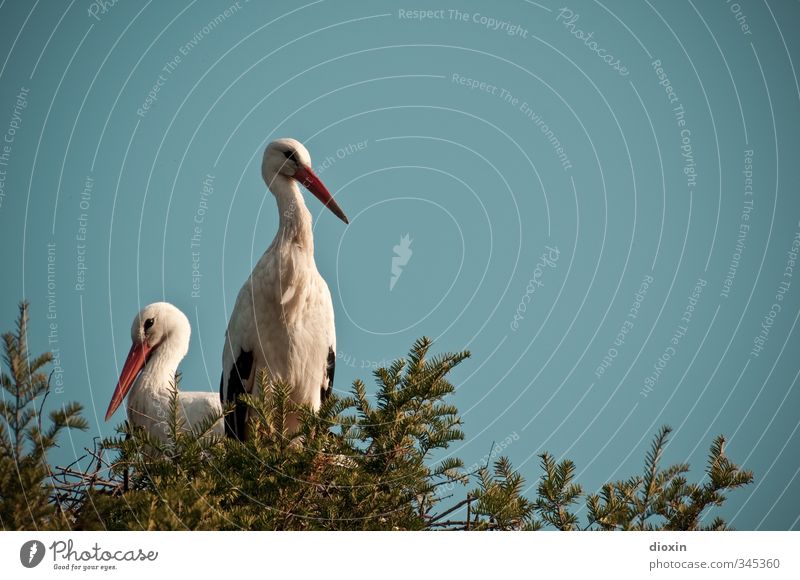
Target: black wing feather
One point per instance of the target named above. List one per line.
(240, 374)
(327, 389)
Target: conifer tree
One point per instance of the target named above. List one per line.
(360, 462)
(25, 482)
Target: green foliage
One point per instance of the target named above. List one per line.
(25, 484)
(499, 503)
(162, 483)
(557, 493)
(659, 499)
(360, 462)
(351, 465)
(663, 499)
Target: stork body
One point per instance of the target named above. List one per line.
(160, 336)
(283, 316)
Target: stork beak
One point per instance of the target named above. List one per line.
(133, 364)
(313, 184)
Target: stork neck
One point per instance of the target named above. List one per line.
(295, 219)
(158, 373)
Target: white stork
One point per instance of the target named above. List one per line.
(283, 317)
(160, 335)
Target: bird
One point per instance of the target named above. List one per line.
(160, 335)
(283, 319)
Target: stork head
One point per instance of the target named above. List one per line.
(158, 326)
(288, 158)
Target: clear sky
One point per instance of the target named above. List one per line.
(599, 200)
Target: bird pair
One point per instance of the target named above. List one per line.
(282, 321)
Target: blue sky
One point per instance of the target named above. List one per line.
(599, 202)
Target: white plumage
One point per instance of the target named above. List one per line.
(283, 317)
(160, 335)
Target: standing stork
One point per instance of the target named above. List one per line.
(160, 335)
(283, 317)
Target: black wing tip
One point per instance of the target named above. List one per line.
(240, 373)
(330, 369)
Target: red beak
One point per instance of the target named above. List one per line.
(313, 184)
(133, 364)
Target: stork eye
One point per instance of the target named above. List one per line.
(148, 323)
(290, 155)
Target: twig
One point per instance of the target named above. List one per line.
(451, 510)
(465, 525)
